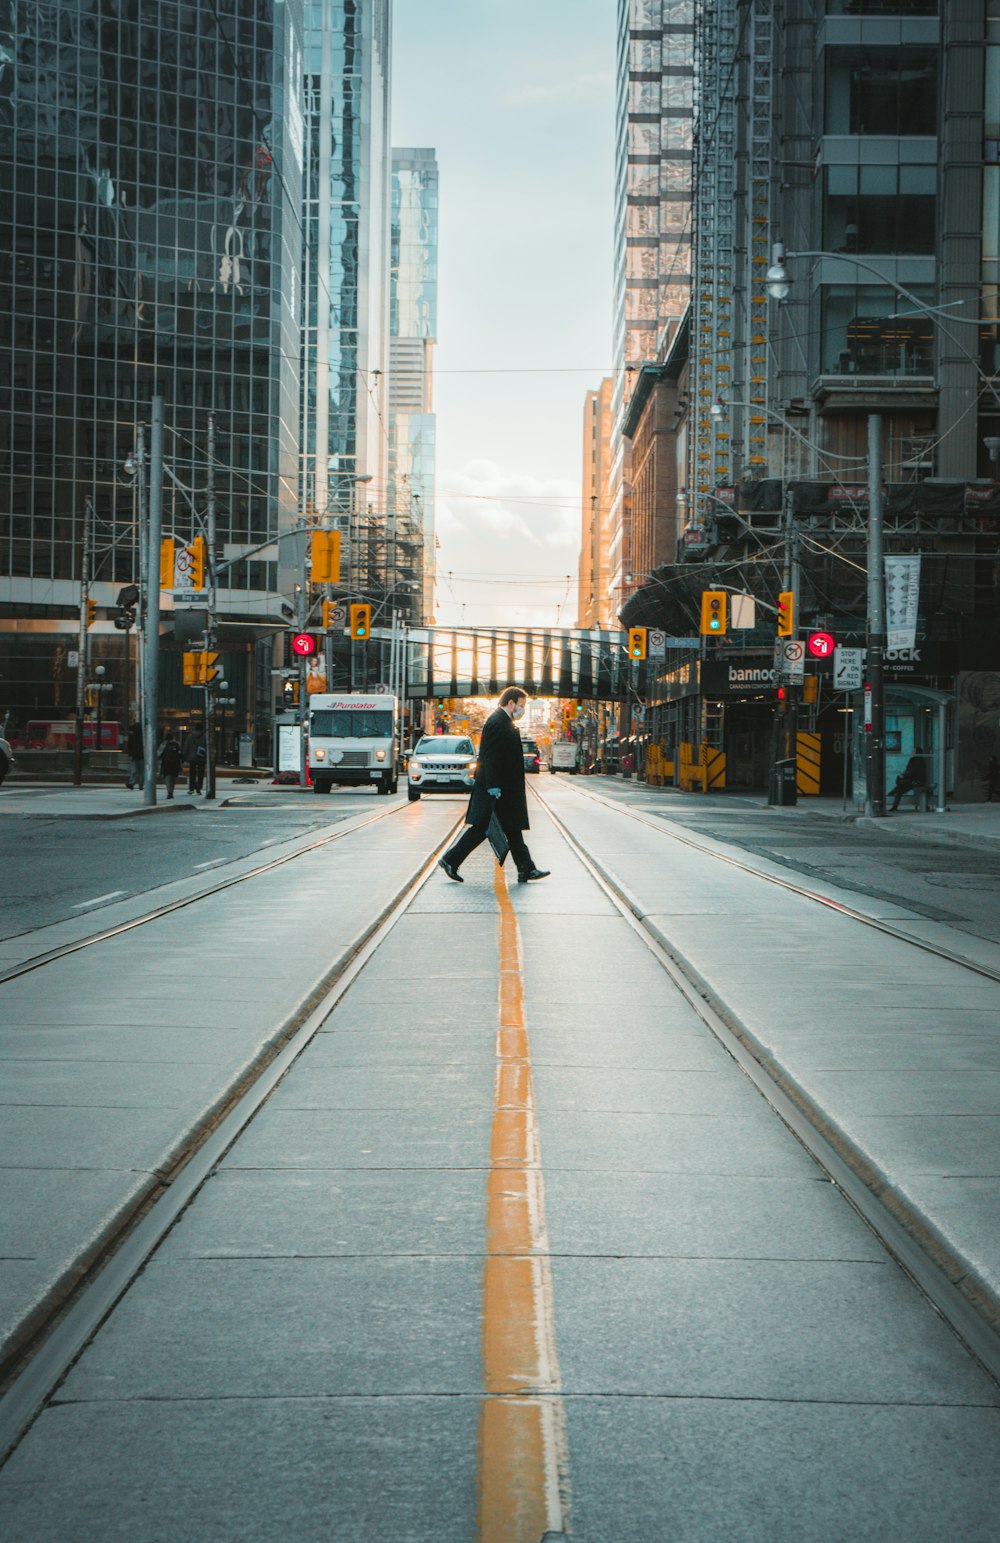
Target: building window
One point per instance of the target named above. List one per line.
(880, 209)
(867, 330)
(881, 7)
(874, 91)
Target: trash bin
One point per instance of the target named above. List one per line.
(782, 788)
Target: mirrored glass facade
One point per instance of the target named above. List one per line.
(344, 431)
(414, 331)
(150, 242)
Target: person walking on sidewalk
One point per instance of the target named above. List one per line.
(196, 756)
(134, 749)
(499, 785)
(6, 758)
(170, 762)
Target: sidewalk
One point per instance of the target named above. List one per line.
(972, 824)
(891, 1052)
(119, 803)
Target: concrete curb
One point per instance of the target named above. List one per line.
(928, 1236)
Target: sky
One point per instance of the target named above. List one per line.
(517, 99)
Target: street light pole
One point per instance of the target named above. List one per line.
(151, 691)
(81, 657)
(210, 536)
(875, 716)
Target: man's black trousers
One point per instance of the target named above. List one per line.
(474, 834)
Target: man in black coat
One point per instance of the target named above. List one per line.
(499, 785)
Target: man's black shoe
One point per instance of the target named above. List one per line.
(451, 871)
(533, 873)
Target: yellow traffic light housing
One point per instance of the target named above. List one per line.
(209, 667)
(713, 613)
(197, 554)
(192, 669)
(167, 563)
(637, 642)
(361, 622)
(91, 613)
(200, 668)
(786, 614)
(324, 555)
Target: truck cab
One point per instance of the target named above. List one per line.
(352, 741)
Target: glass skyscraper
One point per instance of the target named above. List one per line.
(150, 243)
(413, 330)
(345, 415)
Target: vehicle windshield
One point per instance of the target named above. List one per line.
(356, 723)
(443, 744)
(530, 748)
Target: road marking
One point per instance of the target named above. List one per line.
(115, 894)
(522, 1437)
(215, 862)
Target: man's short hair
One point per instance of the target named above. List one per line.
(512, 694)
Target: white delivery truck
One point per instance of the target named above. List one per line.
(352, 741)
(564, 755)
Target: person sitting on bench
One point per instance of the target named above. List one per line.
(913, 778)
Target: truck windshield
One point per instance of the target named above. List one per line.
(346, 724)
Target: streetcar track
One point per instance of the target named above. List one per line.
(902, 1232)
(49, 956)
(876, 923)
(34, 1370)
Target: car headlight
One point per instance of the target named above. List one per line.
(380, 755)
(471, 768)
(320, 755)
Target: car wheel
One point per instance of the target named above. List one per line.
(412, 795)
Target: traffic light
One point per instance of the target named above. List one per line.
(196, 552)
(713, 613)
(637, 642)
(91, 613)
(167, 563)
(328, 609)
(200, 668)
(325, 557)
(810, 688)
(361, 621)
(786, 614)
(567, 717)
(579, 707)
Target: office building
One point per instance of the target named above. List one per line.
(344, 428)
(592, 606)
(413, 332)
(150, 176)
(652, 266)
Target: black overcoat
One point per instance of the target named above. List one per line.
(501, 765)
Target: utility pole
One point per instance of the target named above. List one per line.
(143, 535)
(151, 692)
(875, 694)
(303, 661)
(81, 657)
(210, 628)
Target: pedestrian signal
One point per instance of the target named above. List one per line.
(167, 563)
(786, 614)
(713, 613)
(637, 642)
(196, 552)
(91, 613)
(361, 621)
(325, 557)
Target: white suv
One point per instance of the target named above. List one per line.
(440, 763)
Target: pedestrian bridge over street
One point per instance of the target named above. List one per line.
(481, 661)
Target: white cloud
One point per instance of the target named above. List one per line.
(508, 547)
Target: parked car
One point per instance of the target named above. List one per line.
(440, 763)
(532, 756)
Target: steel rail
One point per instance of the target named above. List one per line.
(977, 1335)
(49, 956)
(73, 1323)
(878, 925)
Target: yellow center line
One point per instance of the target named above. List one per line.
(522, 1440)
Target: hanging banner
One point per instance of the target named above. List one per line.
(902, 600)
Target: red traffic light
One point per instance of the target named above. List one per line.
(782, 693)
(303, 644)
